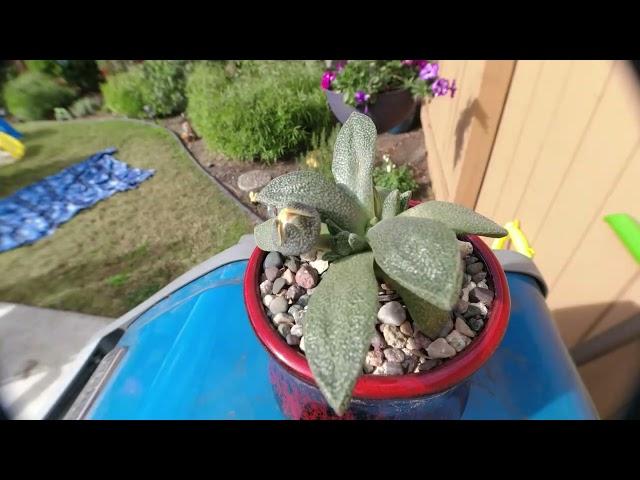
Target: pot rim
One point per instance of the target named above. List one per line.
(441, 378)
(396, 91)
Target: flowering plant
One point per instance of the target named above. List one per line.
(361, 81)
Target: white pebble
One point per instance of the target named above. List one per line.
(466, 248)
(458, 341)
(267, 300)
(296, 330)
(439, 348)
(392, 313)
(463, 328)
(320, 265)
(288, 276)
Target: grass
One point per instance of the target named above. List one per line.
(111, 257)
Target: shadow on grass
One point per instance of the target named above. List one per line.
(18, 175)
(39, 134)
(86, 287)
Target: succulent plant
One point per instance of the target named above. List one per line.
(369, 233)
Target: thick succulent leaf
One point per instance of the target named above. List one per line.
(297, 229)
(265, 235)
(353, 158)
(315, 190)
(357, 243)
(391, 206)
(346, 243)
(339, 325)
(429, 319)
(380, 194)
(421, 255)
(404, 200)
(461, 220)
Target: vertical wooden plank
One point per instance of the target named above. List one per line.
(515, 113)
(484, 112)
(549, 89)
(434, 162)
(584, 90)
(607, 145)
(601, 267)
(467, 88)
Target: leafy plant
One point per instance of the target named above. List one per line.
(362, 81)
(62, 114)
(392, 177)
(257, 110)
(370, 233)
(320, 155)
(165, 92)
(85, 106)
(111, 67)
(124, 93)
(34, 95)
(80, 74)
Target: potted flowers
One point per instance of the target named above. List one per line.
(385, 90)
(369, 309)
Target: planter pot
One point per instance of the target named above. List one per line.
(440, 393)
(392, 110)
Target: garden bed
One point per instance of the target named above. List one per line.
(403, 149)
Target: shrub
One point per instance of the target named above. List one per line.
(34, 95)
(111, 67)
(320, 155)
(81, 74)
(392, 177)
(7, 72)
(85, 106)
(263, 110)
(124, 93)
(165, 93)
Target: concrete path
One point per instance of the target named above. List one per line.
(37, 346)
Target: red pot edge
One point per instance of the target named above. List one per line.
(438, 380)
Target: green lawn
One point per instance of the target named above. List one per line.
(109, 258)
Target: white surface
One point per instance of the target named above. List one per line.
(37, 349)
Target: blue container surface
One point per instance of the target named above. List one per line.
(195, 356)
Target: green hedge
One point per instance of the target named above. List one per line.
(158, 85)
(261, 110)
(81, 74)
(34, 95)
(124, 93)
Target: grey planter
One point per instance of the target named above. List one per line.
(391, 110)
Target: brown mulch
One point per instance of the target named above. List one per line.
(403, 149)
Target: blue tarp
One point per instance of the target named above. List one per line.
(36, 211)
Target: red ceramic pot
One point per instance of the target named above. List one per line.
(440, 393)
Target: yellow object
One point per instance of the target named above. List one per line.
(312, 162)
(13, 147)
(517, 238)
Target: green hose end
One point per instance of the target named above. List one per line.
(628, 231)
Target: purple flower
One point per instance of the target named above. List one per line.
(421, 63)
(440, 87)
(429, 71)
(327, 78)
(340, 64)
(361, 97)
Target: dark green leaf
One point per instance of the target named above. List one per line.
(460, 219)
(421, 255)
(339, 325)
